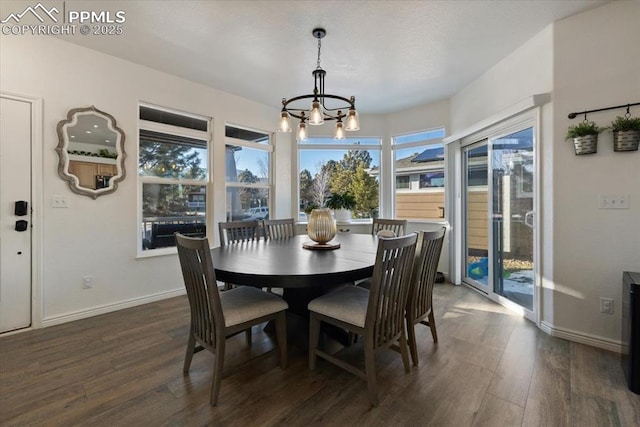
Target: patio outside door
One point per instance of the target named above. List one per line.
(499, 217)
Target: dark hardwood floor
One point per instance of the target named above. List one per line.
(490, 368)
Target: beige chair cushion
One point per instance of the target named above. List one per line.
(348, 304)
(245, 303)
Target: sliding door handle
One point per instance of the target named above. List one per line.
(529, 219)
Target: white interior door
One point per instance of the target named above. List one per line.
(15, 186)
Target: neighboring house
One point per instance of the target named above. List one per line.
(197, 202)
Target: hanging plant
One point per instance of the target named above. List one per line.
(585, 137)
(626, 133)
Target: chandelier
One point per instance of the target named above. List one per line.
(319, 110)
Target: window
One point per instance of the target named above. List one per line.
(419, 175)
(248, 174)
(173, 176)
(349, 166)
(402, 182)
(432, 179)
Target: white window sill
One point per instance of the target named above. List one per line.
(150, 253)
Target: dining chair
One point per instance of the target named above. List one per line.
(383, 228)
(237, 232)
(278, 228)
(398, 226)
(216, 316)
(377, 315)
(420, 301)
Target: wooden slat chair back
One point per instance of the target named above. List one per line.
(279, 228)
(238, 231)
(232, 232)
(216, 316)
(398, 226)
(420, 301)
(207, 320)
(378, 314)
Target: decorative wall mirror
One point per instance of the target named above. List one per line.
(91, 150)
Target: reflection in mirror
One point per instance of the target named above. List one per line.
(91, 151)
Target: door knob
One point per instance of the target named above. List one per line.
(21, 225)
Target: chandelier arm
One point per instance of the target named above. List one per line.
(350, 103)
(292, 111)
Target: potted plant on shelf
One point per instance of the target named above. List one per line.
(342, 204)
(585, 137)
(626, 133)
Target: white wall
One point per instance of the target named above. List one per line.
(596, 65)
(98, 237)
(525, 72)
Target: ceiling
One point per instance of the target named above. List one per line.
(390, 55)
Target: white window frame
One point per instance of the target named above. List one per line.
(207, 182)
(416, 144)
(268, 147)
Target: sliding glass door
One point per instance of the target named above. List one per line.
(498, 214)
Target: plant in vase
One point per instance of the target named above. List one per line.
(626, 133)
(585, 137)
(342, 205)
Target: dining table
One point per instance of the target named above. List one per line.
(302, 273)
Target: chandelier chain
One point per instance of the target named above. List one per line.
(319, 46)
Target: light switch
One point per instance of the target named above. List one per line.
(59, 202)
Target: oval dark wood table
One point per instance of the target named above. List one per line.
(302, 273)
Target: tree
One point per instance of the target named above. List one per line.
(353, 158)
(248, 196)
(320, 186)
(364, 188)
(168, 161)
(306, 183)
(350, 176)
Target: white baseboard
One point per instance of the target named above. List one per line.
(582, 338)
(108, 308)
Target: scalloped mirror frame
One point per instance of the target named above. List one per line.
(63, 152)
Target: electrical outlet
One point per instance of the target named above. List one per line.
(87, 282)
(620, 201)
(59, 202)
(606, 305)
